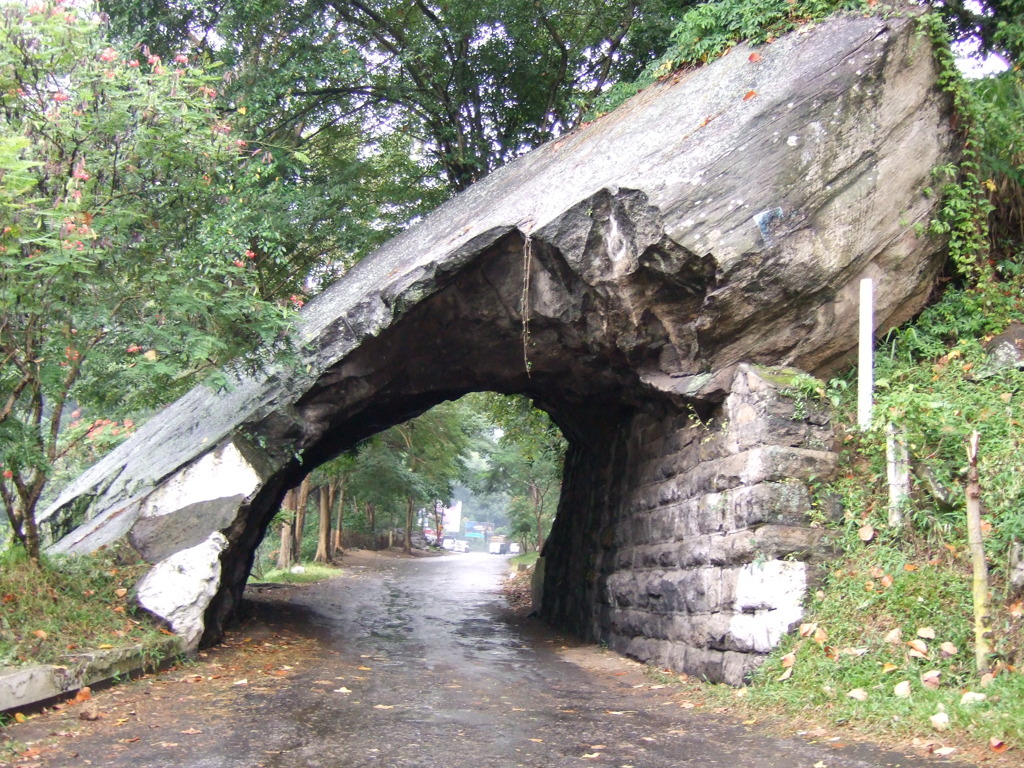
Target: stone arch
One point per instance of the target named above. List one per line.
(646, 279)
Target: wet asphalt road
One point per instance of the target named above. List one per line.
(418, 663)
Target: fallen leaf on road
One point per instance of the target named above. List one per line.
(241, 682)
(365, 669)
(948, 649)
(918, 649)
(785, 675)
(902, 689)
(944, 751)
(997, 745)
(191, 731)
(806, 630)
(928, 633)
(383, 706)
(930, 679)
(538, 741)
(789, 660)
(343, 689)
(889, 667)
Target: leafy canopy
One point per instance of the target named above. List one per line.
(472, 83)
(125, 276)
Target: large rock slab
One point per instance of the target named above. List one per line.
(722, 216)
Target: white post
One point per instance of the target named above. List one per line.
(897, 465)
(865, 363)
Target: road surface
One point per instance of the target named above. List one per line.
(409, 663)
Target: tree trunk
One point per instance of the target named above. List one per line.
(538, 514)
(438, 522)
(300, 519)
(323, 534)
(23, 523)
(407, 546)
(338, 495)
(979, 566)
(284, 553)
(371, 519)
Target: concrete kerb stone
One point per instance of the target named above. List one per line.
(27, 688)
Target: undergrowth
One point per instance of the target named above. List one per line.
(305, 573)
(68, 605)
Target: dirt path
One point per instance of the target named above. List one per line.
(407, 662)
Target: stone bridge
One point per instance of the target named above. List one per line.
(653, 281)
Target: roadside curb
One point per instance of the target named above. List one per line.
(26, 687)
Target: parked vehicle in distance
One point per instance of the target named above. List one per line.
(460, 545)
(448, 544)
(514, 548)
(498, 548)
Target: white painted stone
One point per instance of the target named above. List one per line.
(179, 589)
(220, 473)
(768, 601)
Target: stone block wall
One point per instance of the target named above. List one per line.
(706, 550)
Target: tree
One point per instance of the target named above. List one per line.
(415, 464)
(994, 26)
(333, 478)
(526, 464)
(474, 83)
(121, 283)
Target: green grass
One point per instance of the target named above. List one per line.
(855, 653)
(69, 605)
(527, 558)
(312, 572)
